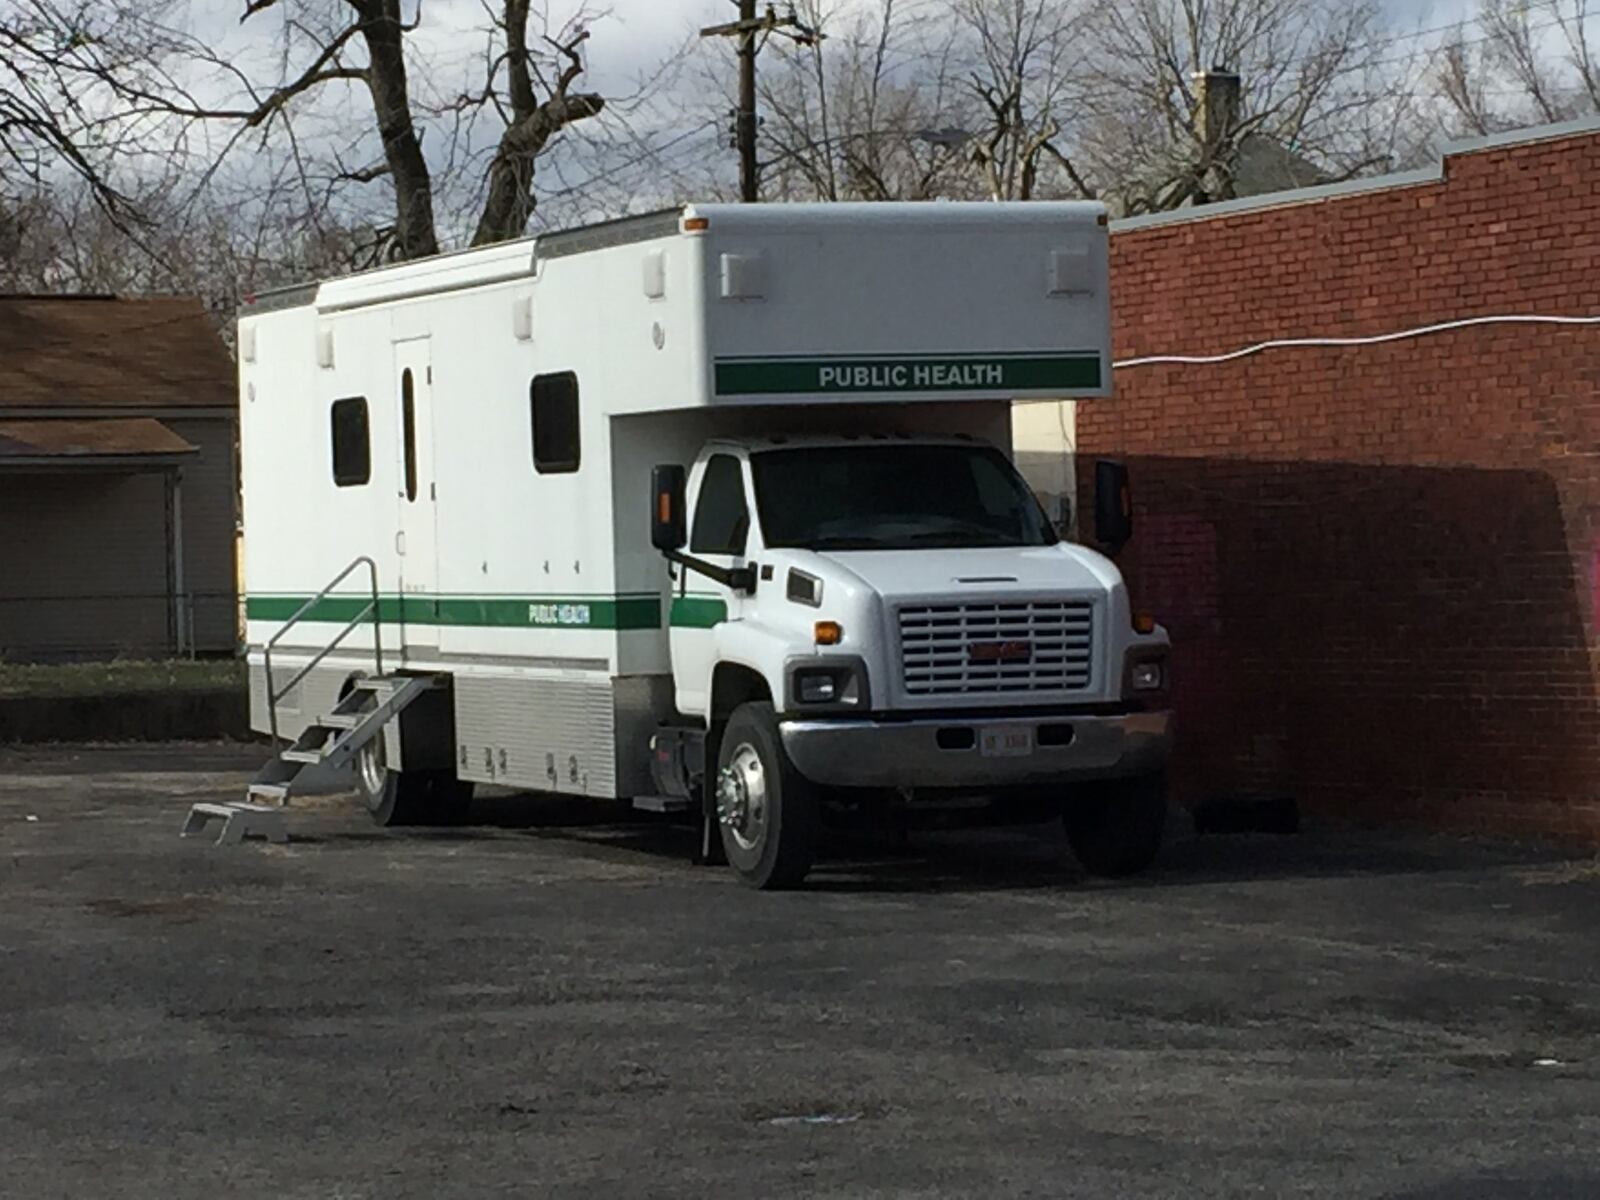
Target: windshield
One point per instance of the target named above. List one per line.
(895, 496)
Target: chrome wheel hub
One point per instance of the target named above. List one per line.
(373, 771)
(742, 798)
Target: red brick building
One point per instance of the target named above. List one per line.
(1380, 563)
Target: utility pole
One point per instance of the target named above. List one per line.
(753, 32)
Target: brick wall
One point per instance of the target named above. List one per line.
(1379, 563)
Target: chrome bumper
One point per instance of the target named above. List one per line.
(849, 753)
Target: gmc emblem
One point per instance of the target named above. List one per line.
(999, 652)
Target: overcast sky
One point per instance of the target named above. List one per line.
(635, 34)
(626, 44)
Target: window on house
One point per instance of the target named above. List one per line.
(721, 518)
(352, 442)
(554, 400)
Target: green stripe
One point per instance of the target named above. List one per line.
(698, 612)
(484, 612)
(846, 375)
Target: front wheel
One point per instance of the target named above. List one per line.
(1115, 827)
(766, 810)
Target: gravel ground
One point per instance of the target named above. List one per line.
(553, 1002)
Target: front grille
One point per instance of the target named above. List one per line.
(1008, 646)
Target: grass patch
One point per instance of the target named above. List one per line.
(120, 678)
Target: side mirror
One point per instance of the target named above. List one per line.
(668, 529)
(1113, 506)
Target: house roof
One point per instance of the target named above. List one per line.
(111, 352)
(1265, 165)
(136, 441)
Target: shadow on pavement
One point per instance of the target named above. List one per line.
(989, 858)
(1562, 1186)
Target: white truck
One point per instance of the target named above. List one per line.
(710, 510)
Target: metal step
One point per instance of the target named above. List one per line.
(333, 741)
(662, 804)
(238, 821)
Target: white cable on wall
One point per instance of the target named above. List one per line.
(1401, 335)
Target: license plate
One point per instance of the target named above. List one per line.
(1006, 741)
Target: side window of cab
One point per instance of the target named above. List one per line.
(721, 516)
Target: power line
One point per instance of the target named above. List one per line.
(612, 172)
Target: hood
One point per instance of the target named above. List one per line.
(973, 572)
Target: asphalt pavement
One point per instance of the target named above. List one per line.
(554, 1002)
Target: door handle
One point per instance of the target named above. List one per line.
(400, 542)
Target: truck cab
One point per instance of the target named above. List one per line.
(855, 616)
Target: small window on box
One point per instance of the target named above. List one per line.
(352, 443)
(554, 399)
(408, 428)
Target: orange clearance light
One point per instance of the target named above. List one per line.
(664, 507)
(696, 224)
(829, 633)
(1144, 623)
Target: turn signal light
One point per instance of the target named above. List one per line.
(828, 633)
(1144, 623)
(696, 224)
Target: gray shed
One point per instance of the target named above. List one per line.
(118, 481)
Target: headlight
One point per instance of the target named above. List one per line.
(1148, 676)
(817, 687)
(827, 683)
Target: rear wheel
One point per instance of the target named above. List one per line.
(1115, 827)
(396, 798)
(766, 810)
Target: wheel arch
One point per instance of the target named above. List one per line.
(733, 684)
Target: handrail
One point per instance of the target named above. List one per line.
(274, 693)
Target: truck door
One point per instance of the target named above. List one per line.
(415, 531)
(719, 532)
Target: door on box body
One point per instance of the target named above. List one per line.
(416, 530)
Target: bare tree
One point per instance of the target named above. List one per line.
(848, 117)
(1314, 95)
(1521, 62)
(61, 64)
(1027, 71)
(246, 234)
(327, 53)
(1148, 104)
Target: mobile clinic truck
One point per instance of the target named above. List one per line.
(708, 510)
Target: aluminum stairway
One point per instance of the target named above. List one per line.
(334, 740)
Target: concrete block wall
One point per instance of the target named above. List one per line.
(1380, 563)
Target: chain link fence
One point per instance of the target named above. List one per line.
(135, 625)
